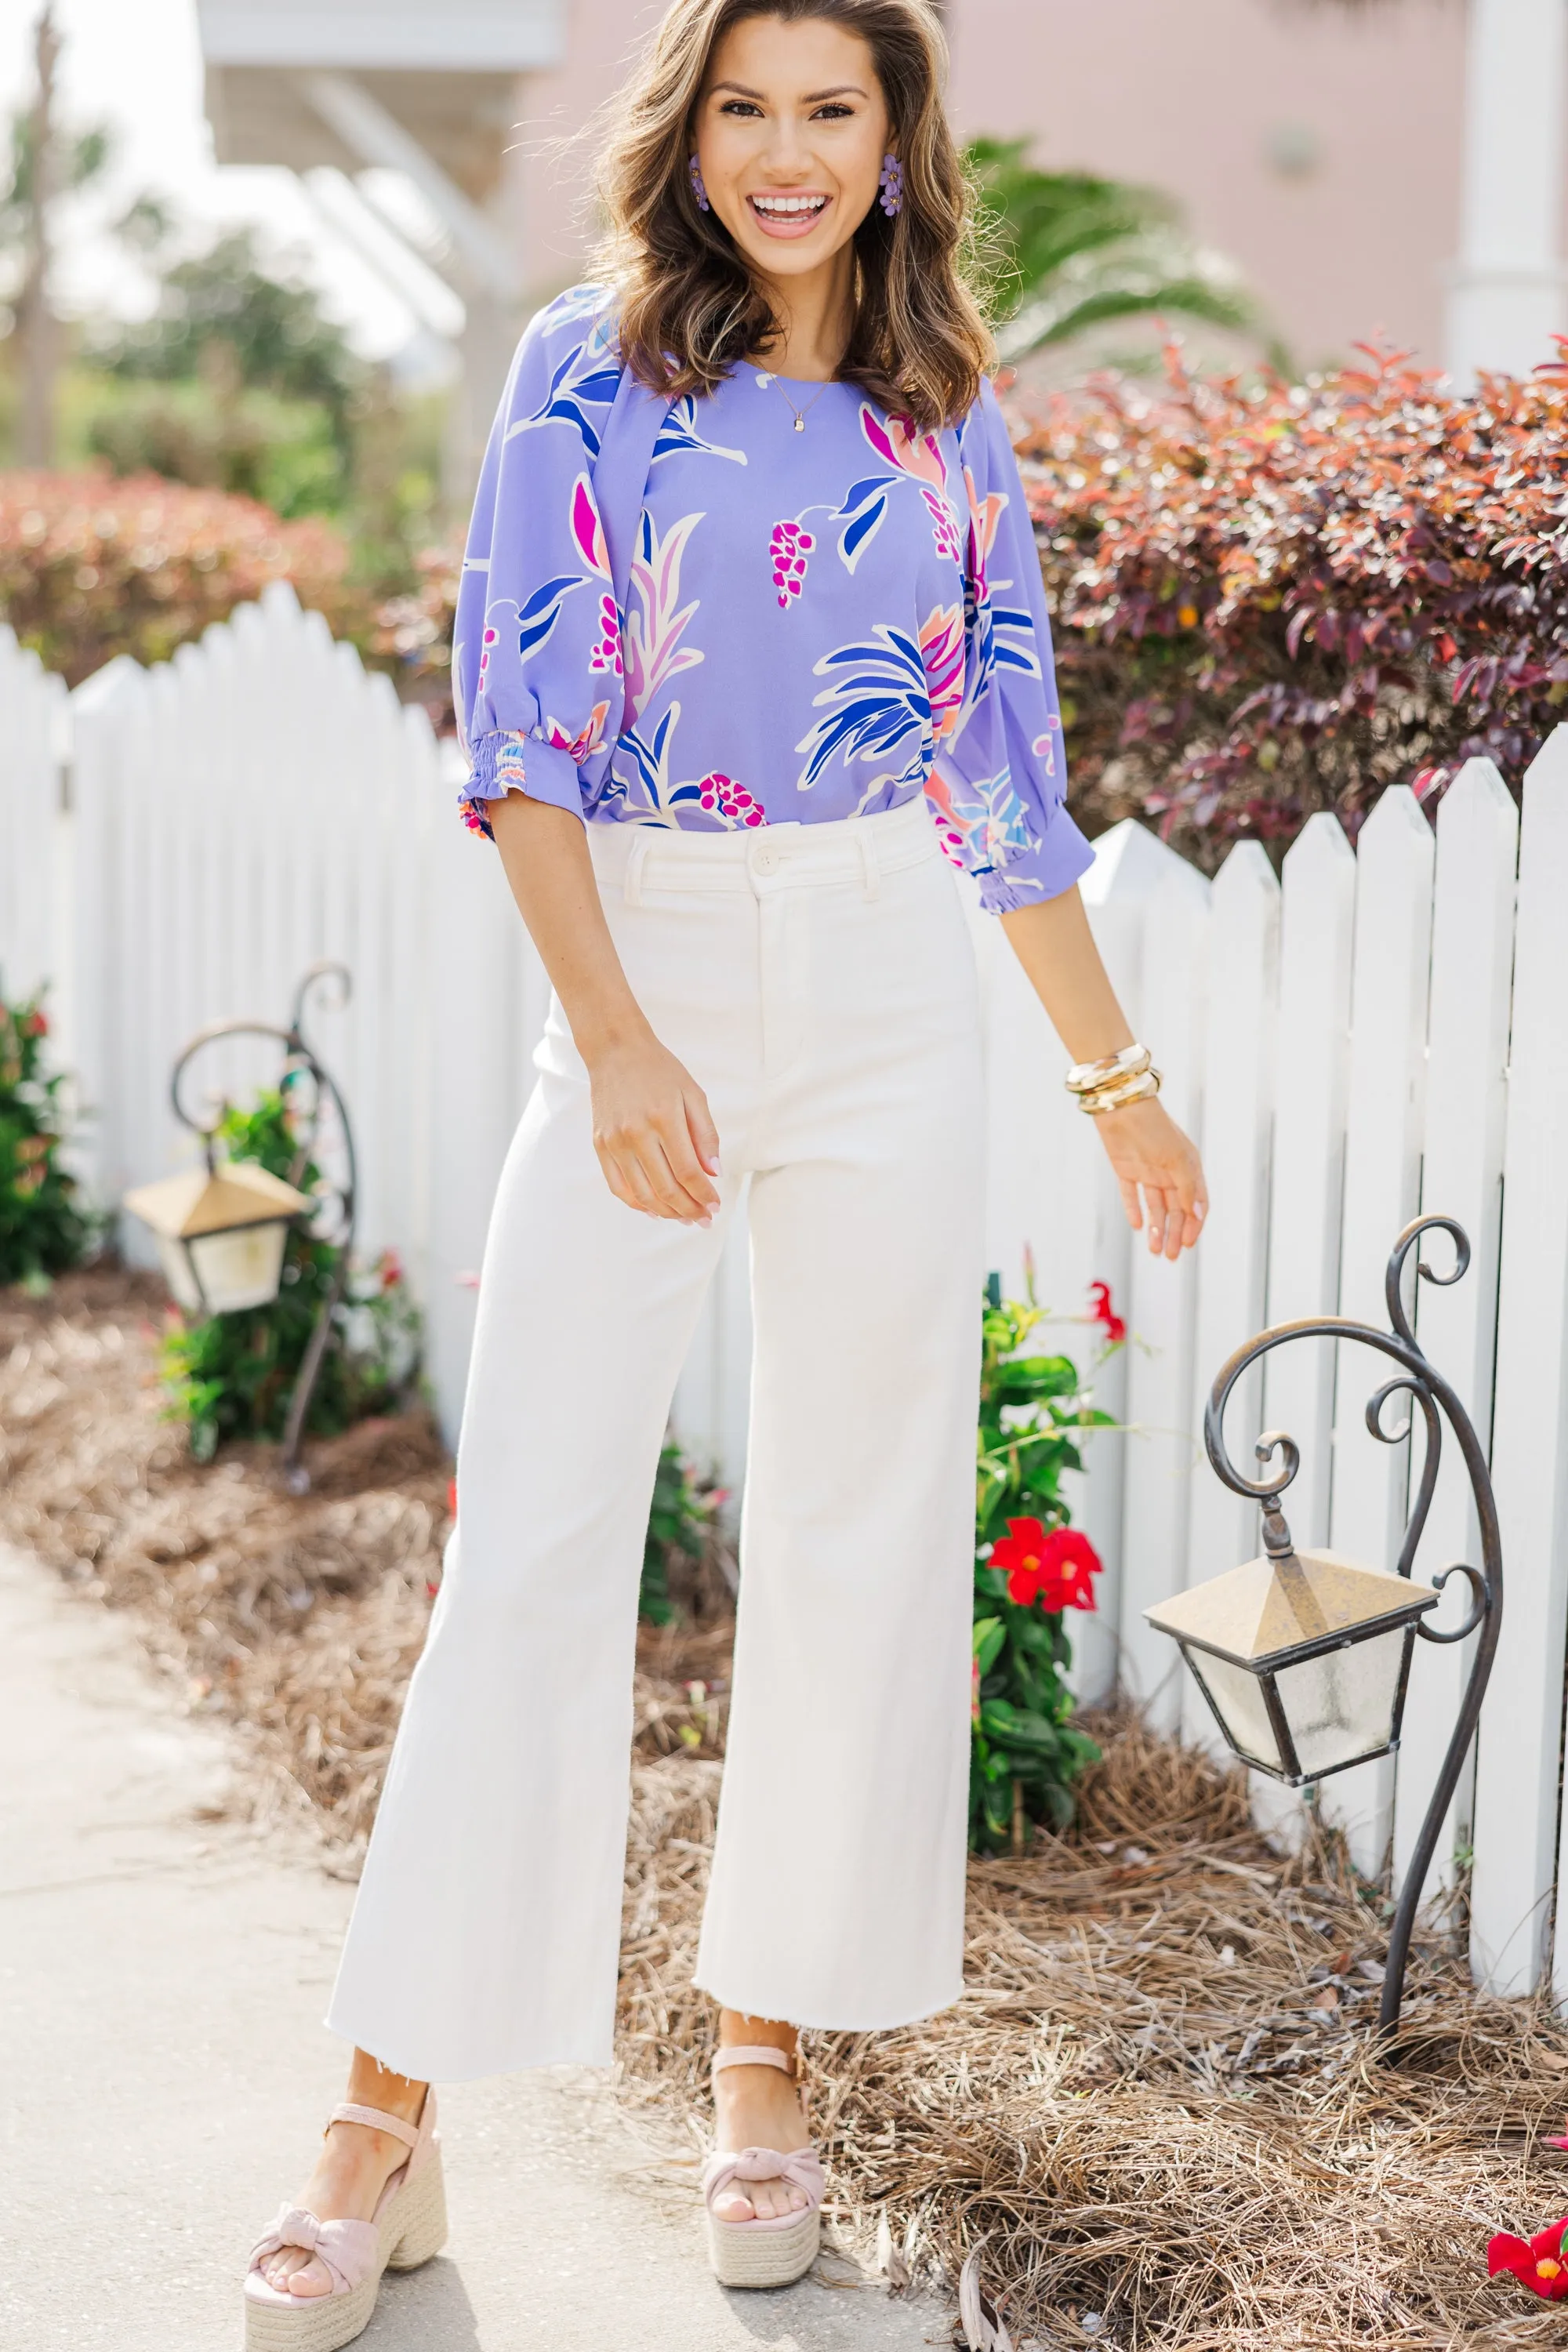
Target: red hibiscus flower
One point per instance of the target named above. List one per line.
(1053, 1569)
(1538, 2264)
(1102, 1312)
(36, 1024)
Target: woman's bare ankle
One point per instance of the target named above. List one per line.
(372, 2085)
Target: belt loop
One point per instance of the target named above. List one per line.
(869, 876)
(641, 838)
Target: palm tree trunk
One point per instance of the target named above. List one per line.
(37, 326)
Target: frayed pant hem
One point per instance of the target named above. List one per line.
(842, 2021)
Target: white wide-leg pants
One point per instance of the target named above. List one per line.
(819, 983)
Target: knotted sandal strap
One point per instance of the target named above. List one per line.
(347, 2249)
(762, 2054)
(378, 2120)
(801, 2169)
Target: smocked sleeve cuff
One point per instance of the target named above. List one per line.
(502, 764)
(1049, 866)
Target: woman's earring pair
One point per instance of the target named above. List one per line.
(698, 190)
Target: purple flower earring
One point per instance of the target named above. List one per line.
(698, 190)
(891, 184)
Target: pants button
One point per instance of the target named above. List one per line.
(765, 857)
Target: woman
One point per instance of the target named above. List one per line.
(751, 599)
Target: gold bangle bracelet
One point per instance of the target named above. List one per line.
(1134, 1089)
(1088, 1077)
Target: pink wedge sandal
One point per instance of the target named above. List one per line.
(763, 2253)
(409, 2225)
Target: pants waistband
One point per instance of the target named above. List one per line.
(636, 859)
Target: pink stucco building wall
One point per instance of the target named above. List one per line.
(1317, 146)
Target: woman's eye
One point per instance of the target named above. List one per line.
(739, 105)
(833, 113)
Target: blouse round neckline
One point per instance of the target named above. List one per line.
(769, 376)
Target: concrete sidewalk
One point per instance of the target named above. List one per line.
(163, 2072)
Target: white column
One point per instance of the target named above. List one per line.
(1507, 293)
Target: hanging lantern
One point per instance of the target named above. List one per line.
(1303, 1657)
(220, 1231)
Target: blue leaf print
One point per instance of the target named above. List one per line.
(678, 430)
(865, 503)
(859, 531)
(571, 396)
(538, 616)
(885, 702)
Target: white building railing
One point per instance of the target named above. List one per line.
(1378, 1032)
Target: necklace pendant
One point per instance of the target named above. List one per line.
(799, 425)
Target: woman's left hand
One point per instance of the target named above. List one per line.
(1158, 1170)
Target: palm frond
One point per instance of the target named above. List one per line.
(1068, 251)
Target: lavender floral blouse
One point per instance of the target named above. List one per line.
(816, 624)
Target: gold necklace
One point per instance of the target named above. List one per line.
(800, 414)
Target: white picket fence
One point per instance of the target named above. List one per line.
(1386, 1031)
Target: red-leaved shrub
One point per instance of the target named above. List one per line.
(92, 566)
(1272, 601)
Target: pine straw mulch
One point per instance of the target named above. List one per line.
(1157, 2112)
(299, 1618)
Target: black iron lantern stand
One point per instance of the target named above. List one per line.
(1318, 1631)
(299, 1061)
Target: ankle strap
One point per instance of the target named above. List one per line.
(763, 2054)
(378, 2120)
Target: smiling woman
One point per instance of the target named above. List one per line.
(791, 122)
(751, 631)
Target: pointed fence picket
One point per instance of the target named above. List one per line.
(1239, 1114)
(1383, 1190)
(33, 706)
(1161, 1452)
(1472, 973)
(1518, 1758)
(1338, 1043)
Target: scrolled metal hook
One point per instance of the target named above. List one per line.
(1394, 1275)
(1410, 1384)
(319, 976)
(1483, 1601)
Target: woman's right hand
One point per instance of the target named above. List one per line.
(653, 1132)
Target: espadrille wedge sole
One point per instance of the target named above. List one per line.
(776, 2252)
(408, 2228)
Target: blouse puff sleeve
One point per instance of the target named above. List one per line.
(536, 649)
(1000, 778)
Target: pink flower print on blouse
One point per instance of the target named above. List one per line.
(899, 445)
(722, 797)
(588, 740)
(789, 546)
(607, 653)
(985, 514)
(588, 529)
(950, 833)
(491, 637)
(941, 658)
(945, 526)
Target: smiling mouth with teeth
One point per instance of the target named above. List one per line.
(789, 211)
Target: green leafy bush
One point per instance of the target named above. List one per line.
(680, 1528)
(232, 1376)
(1029, 1566)
(43, 1230)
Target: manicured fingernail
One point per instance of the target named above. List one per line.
(712, 1166)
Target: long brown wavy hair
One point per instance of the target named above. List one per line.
(690, 306)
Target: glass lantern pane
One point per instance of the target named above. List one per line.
(239, 1268)
(177, 1273)
(1238, 1695)
(1340, 1706)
